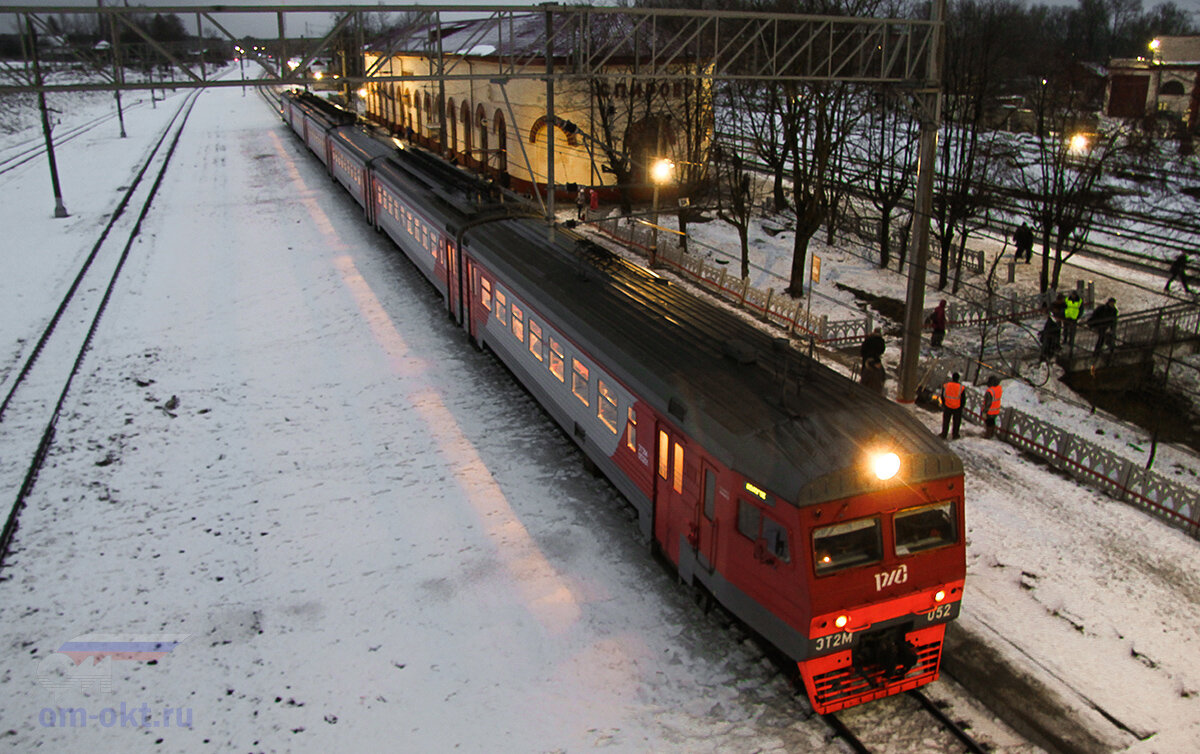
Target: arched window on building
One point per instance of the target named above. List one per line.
(501, 131)
(1172, 89)
(416, 124)
(481, 123)
(452, 124)
(465, 122)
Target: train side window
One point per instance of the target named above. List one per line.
(579, 381)
(631, 430)
(501, 308)
(606, 405)
(518, 323)
(677, 478)
(664, 454)
(841, 546)
(485, 292)
(749, 521)
(710, 494)
(776, 538)
(535, 340)
(556, 359)
(925, 527)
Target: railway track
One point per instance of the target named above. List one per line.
(23, 152)
(35, 396)
(907, 710)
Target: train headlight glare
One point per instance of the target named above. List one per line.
(939, 596)
(841, 621)
(885, 465)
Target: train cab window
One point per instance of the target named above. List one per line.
(579, 381)
(556, 359)
(606, 405)
(518, 323)
(925, 527)
(501, 308)
(535, 340)
(485, 292)
(841, 546)
(631, 430)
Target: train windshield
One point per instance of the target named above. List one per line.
(846, 545)
(925, 527)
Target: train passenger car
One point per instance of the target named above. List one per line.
(825, 517)
(312, 119)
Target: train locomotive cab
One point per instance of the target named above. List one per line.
(886, 569)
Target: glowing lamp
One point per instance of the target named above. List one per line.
(885, 465)
(939, 596)
(661, 170)
(362, 92)
(841, 621)
(1078, 143)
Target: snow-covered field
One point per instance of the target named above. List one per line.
(372, 538)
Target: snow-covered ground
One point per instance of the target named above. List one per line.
(372, 538)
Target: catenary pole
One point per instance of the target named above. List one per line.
(929, 106)
(59, 209)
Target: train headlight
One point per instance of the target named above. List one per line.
(939, 596)
(885, 465)
(841, 621)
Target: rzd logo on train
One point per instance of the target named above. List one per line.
(891, 578)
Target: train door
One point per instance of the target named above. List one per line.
(703, 533)
(671, 515)
(453, 281)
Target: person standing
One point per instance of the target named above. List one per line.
(1104, 322)
(1023, 238)
(937, 322)
(873, 376)
(1071, 312)
(991, 406)
(872, 347)
(1179, 271)
(1049, 337)
(581, 202)
(593, 201)
(952, 395)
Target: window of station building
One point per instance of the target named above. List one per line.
(925, 527)
(501, 310)
(842, 546)
(579, 381)
(631, 430)
(606, 405)
(535, 340)
(556, 360)
(518, 323)
(677, 478)
(485, 292)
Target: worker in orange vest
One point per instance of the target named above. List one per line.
(952, 395)
(991, 405)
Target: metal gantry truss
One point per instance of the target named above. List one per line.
(551, 42)
(587, 42)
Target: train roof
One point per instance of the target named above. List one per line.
(777, 416)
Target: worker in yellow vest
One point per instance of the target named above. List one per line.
(991, 405)
(952, 395)
(1074, 307)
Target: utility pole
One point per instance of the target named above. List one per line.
(550, 121)
(59, 209)
(929, 107)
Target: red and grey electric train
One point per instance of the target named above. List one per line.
(825, 517)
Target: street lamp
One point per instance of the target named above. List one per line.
(660, 172)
